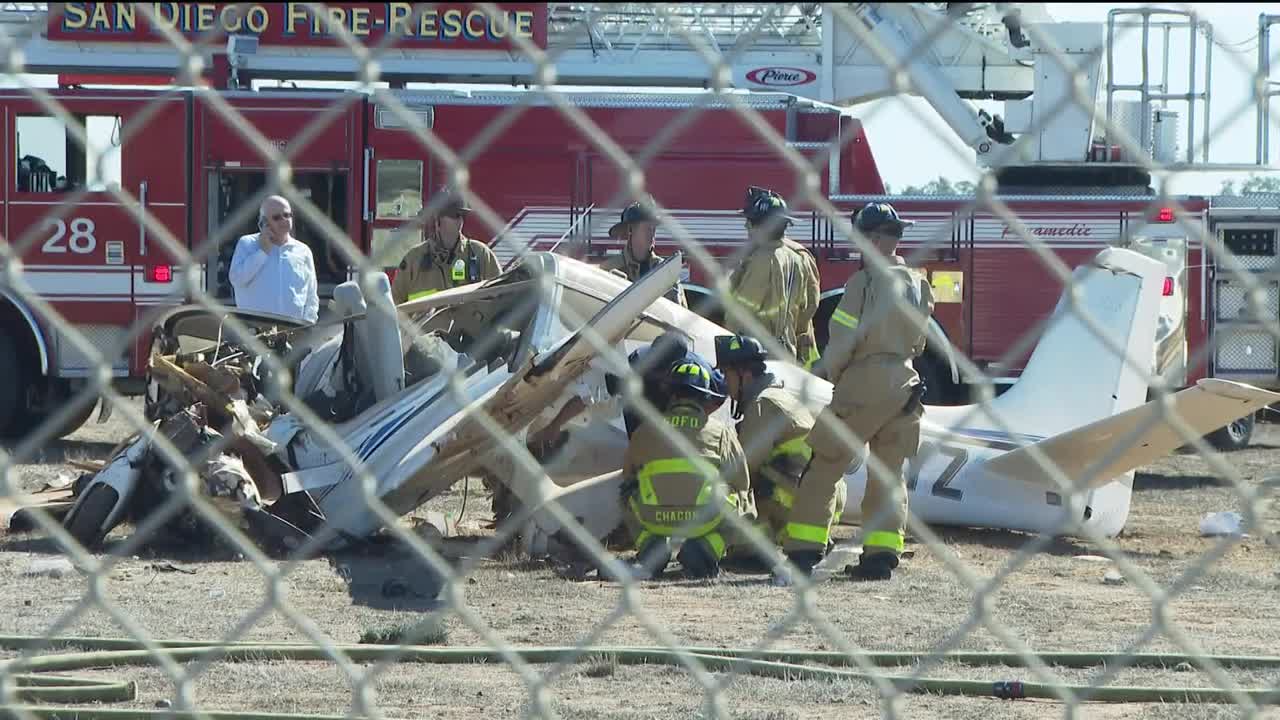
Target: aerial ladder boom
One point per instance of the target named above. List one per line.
(839, 53)
(893, 37)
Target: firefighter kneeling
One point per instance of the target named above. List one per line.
(773, 427)
(671, 497)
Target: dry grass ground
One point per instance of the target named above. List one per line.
(1052, 601)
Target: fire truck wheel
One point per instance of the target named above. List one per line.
(71, 425)
(11, 389)
(937, 384)
(1235, 436)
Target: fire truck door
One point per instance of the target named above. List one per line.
(230, 189)
(321, 136)
(393, 203)
(85, 248)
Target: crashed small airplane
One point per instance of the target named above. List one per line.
(499, 359)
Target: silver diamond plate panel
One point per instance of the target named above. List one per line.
(1234, 305)
(1246, 350)
(105, 338)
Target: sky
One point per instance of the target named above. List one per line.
(909, 150)
(912, 145)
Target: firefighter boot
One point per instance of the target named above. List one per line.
(699, 558)
(651, 559)
(804, 560)
(878, 566)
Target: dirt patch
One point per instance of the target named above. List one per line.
(1222, 600)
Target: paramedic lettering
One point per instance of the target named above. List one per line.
(450, 25)
(1074, 230)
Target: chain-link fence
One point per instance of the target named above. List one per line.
(286, 512)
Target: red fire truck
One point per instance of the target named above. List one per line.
(99, 267)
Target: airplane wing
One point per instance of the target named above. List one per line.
(546, 376)
(412, 467)
(1097, 453)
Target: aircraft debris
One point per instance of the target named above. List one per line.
(1230, 523)
(169, 567)
(494, 362)
(57, 567)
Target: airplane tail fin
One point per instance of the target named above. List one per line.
(1082, 397)
(1074, 376)
(1097, 453)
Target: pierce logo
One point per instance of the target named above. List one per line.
(781, 76)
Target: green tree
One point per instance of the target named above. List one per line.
(941, 186)
(1253, 184)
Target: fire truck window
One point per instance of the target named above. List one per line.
(399, 188)
(391, 244)
(50, 160)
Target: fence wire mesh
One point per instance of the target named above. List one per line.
(329, 462)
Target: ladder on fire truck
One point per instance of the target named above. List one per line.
(951, 53)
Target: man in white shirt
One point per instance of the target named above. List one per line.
(272, 271)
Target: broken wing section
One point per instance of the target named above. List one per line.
(552, 372)
(1135, 438)
(426, 447)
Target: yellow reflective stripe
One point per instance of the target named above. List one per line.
(695, 370)
(421, 294)
(647, 494)
(760, 310)
(794, 446)
(845, 319)
(670, 466)
(669, 530)
(816, 534)
(704, 495)
(716, 541)
(783, 496)
(813, 358)
(643, 538)
(883, 539)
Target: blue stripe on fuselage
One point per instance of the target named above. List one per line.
(998, 435)
(371, 444)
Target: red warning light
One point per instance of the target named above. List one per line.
(160, 273)
(1168, 286)
(1165, 215)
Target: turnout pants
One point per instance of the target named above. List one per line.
(719, 535)
(774, 512)
(893, 435)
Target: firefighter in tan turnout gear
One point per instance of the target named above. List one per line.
(773, 428)
(669, 495)
(447, 259)
(876, 397)
(777, 282)
(638, 229)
